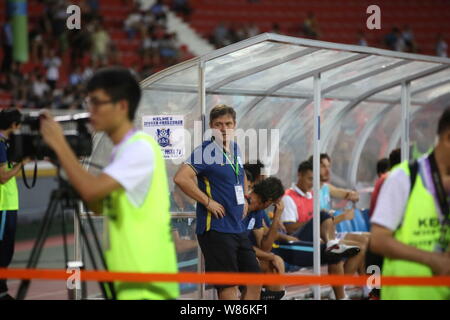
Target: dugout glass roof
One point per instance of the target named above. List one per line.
(268, 79)
(371, 100)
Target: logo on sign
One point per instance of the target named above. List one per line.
(163, 136)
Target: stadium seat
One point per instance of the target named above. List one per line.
(338, 23)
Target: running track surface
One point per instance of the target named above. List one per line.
(53, 257)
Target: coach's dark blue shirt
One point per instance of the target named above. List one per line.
(217, 179)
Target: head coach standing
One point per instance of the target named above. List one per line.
(219, 191)
(133, 188)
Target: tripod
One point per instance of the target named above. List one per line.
(67, 198)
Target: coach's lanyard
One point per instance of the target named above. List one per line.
(235, 167)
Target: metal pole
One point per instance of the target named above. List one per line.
(406, 107)
(202, 99)
(77, 250)
(316, 173)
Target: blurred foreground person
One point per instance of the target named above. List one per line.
(411, 221)
(132, 191)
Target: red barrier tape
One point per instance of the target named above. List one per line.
(220, 278)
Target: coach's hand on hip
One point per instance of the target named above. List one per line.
(216, 209)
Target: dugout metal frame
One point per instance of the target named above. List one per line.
(323, 97)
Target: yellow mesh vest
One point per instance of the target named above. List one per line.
(140, 239)
(421, 229)
(9, 194)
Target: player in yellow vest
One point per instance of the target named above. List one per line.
(133, 186)
(410, 224)
(10, 120)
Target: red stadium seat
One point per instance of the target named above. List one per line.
(339, 21)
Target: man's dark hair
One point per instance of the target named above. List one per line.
(221, 110)
(254, 168)
(395, 157)
(8, 117)
(322, 156)
(382, 165)
(444, 122)
(249, 175)
(118, 83)
(269, 189)
(305, 166)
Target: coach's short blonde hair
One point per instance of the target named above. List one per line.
(221, 110)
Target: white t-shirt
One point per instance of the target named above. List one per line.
(289, 213)
(391, 202)
(394, 195)
(133, 19)
(132, 166)
(39, 88)
(53, 65)
(441, 49)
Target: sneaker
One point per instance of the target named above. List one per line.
(342, 250)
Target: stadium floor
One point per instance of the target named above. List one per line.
(53, 258)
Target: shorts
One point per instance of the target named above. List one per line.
(306, 232)
(228, 252)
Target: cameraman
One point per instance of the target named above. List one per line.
(10, 120)
(133, 188)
